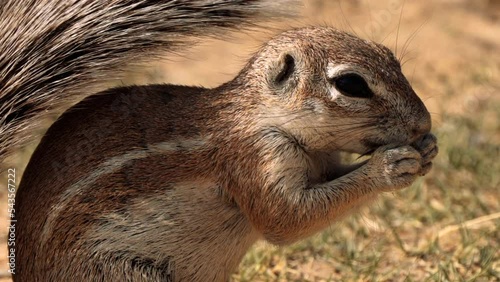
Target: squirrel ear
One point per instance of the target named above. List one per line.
(287, 69)
(281, 70)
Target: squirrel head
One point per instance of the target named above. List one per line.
(332, 90)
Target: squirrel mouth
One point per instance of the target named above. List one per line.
(368, 153)
(372, 147)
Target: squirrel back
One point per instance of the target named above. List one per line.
(55, 52)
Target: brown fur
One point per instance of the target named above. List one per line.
(136, 182)
(56, 52)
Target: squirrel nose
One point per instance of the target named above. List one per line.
(421, 127)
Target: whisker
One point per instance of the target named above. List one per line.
(342, 126)
(336, 129)
(413, 73)
(372, 35)
(436, 114)
(345, 18)
(399, 25)
(433, 96)
(409, 59)
(293, 113)
(295, 118)
(387, 36)
(411, 37)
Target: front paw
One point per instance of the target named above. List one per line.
(428, 149)
(394, 167)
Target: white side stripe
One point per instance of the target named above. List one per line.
(110, 166)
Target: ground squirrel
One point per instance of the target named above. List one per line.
(140, 183)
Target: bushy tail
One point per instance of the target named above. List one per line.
(55, 50)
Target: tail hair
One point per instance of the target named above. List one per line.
(56, 51)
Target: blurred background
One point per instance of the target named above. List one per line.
(446, 226)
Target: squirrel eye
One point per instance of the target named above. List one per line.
(352, 85)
